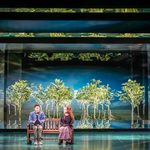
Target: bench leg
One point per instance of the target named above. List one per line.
(29, 138)
(72, 138)
(72, 141)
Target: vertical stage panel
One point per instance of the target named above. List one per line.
(148, 51)
(14, 66)
(2, 70)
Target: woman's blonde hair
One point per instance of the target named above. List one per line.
(69, 109)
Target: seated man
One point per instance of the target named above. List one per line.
(36, 119)
(66, 126)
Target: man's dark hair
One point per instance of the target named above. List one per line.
(36, 105)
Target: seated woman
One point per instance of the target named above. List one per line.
(66, 126)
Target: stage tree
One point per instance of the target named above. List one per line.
(133, 93)
(109, 96)
(40, 96)
(85, 97)
(84, 100)
(95, 93)
(102, 98)
(18, 93)
(92, 94)
(105, 98)
(60, 94)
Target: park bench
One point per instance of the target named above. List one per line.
(51, 126)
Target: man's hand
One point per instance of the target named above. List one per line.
(37, 123)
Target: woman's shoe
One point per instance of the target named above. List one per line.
(69, 143)
(60, 142)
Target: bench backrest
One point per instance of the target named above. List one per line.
(52, 124)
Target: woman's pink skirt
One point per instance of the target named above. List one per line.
(65, 133)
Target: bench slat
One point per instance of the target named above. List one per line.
(52, 124)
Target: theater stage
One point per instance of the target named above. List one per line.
(82, 141)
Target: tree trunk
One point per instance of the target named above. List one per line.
(110, 114)
(102, 111)
(99, 114)
(132, 116)
(54, 114)
(41, 107)
(15, 110)
(57, 110)
(104, 114)
(143, 122)
(102, 123)
(47, 109)
(8, 109)
(144, 110)
(108, 111)
(19, 109)
(138, 112)
(94, 115)
(87, 110)
(84, 112)
(49, 113)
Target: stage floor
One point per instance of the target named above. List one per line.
(83, 141)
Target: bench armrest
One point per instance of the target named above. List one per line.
(44, 125)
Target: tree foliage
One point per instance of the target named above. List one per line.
(70, 56)
(132, 92)
(62, 56)
(60, 94)
(19, 92)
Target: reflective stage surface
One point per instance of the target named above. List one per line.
(82, 141)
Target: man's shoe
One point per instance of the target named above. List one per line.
(40, 143)
(35, 143)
